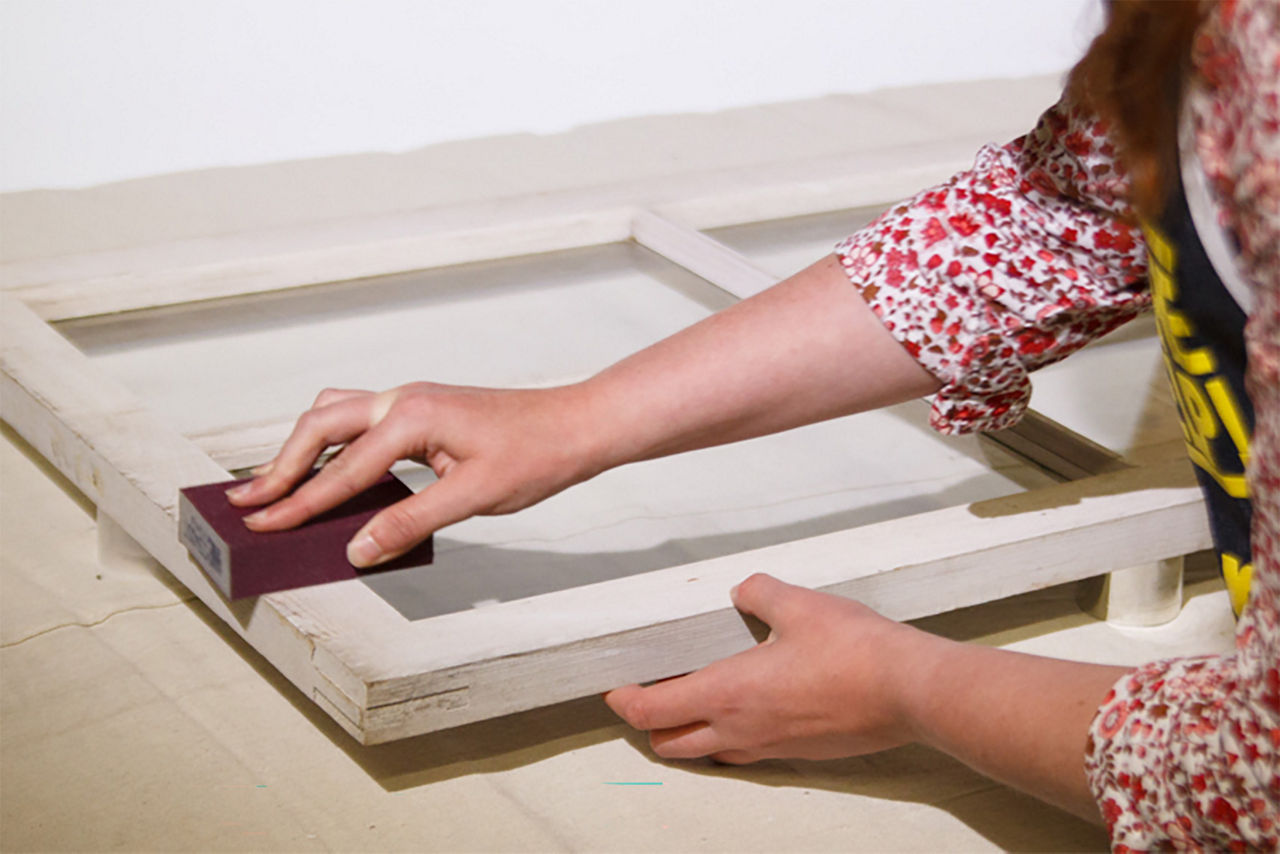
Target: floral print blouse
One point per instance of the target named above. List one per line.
(1026, 257)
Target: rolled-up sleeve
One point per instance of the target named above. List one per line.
(1007, 267)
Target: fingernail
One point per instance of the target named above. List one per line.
(363, 550)
(255, 518)
(265, 468)
(240, 491)
(733, 593)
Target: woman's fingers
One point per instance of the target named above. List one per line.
(403, 525)
(378, 429)
(686, 715)
(359, 465)
(335, 395)
(679, 703)
(690, 741)
(773, 602)
(327, 397)
(663, 705)
(317, 429)
(675, 712)
(493, 452)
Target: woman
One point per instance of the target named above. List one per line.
(958, 293)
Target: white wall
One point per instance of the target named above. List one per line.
(102, 90)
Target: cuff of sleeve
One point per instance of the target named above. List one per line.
(1107, 758)
(1155, 755)
(985, 385)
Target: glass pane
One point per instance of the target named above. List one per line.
(787, 245)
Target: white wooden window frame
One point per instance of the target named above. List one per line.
(383, 676)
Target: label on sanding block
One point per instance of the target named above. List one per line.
(205, 546)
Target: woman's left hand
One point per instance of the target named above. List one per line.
(824, 684)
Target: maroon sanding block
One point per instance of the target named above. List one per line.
(249, 563)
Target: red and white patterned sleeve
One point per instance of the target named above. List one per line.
(1006, 268)
(1188, 751)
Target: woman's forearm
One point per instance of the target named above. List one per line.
(805, 350)
(1020, 719)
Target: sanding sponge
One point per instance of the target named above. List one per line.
(249, 563)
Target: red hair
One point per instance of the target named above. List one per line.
(1132, 76)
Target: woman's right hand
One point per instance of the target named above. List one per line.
(494, 452)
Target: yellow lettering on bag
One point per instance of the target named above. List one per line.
(1161, 250)
(1199, 426)
(1238, 577)
(1175, 328)
(1205, 399)
(1228, 409)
